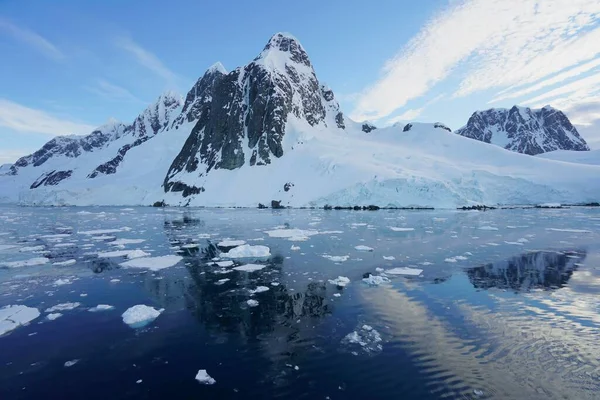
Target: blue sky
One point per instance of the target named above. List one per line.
(69, 65)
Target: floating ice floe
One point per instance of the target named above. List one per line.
(63, 307)
(203, 377)
(231, 243)
(71, 363)
(363, 248)
(259, 289)
(140, 315)
(340, 281)
(62, 282)
(31, 248)
(250, 267)
(252, 303)
(451, 260)
(295, 248)
(101, 307)
(26, 263)
(375, 280)
(389, 258)
(222, 281)
(404, 271)
(53, 316)
(123, 242)
(100, 231)
(130, 254)
(55, 236)
(153, 263)
(514, 243)
(248, 251)
(222, 264)
(13, 316)
(399, 229)
(568, 230)
(115, 280)
(336, 258)
(190, 246)
(7, 246)
(488, 228)
(292, 233)
(65, 263)
(365, 339)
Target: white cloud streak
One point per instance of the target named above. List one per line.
(147, 59)
(31, 39)
(492, 43)
(111, 91)
(24, 119)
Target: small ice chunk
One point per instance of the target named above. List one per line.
(63, 307)
(115, 280)
(568, 230)
(101, 307)
(13, 316)
(248, 251)
(404, 271)
(375, 280)
(223, 264)
(291, 233)
(398, 229)
(295, 248)
(336, 258)
(222, 281)
(65, 263)
(274, 283)
(340, 281)
(140, 315)
(190, 246)
(71, 363)
(450, 260)
(31, 248)
(389, 258)
(259, 289)
(231, 243)
(62, 282)
(26, 263)
(53, 316)
(249, 267)
(252, 303)
(337, 294)
(488, 228)
(123, 242)
(365, 339)
(100, 231)
(363, 248)
(153, 263)
(203, 377)
(131, 254)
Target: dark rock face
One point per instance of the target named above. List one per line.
(241, 116)
(51, 178)
(441, 126)
(368, 127)
(276, 204)
(524, 130)
(407, 128)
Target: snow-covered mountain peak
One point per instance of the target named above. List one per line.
(217, 67)
(524, 130)
(283, 49)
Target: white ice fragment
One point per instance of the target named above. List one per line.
(252, 303)
(389, 258)
(248, 251)
(71, 363)
(100, 231)
(259, 289)
(363, 248)
(203, 377)
(130, 254)
(341, 281)
(65, 263)
(140, 315)
(291, 233)
(295, 248)
(336, 258)
(274, 283)
(153, 263)
(568, 230)
(53, 316)
(26, 263)
(488, 228)
(115, 280)
(13, 316)
(451, 260)
(123, 242)
(404, 271)
(231, 243)
(249, 267)
(31, 248)
(63, 307)
(399, 229)
(227, 263)
(190, 246)
(101, 307)
(62, 282)
(375, 280)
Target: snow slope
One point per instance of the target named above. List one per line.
(579, 157)
(271, 131)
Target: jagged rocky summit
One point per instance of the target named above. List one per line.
(524, 130)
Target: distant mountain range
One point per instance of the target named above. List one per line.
(271, 131)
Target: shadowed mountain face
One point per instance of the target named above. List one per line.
(546, 270)
(524, 130)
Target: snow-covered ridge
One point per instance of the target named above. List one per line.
(271, 131)
(524, 130)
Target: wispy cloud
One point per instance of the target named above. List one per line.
(147, 59)
(111, 91)
(24, 119)
(31, 39)
(581, 88)
(9, 156)
(406, 115)
(488, 44)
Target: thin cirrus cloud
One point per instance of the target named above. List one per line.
(20, 118)
(32, 39)
(487, 44)
(148, 60)
(111, 91)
